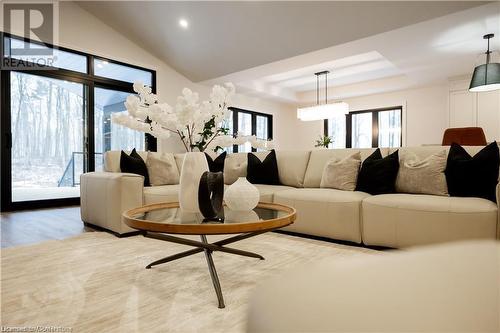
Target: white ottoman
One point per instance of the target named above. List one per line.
(440, 288)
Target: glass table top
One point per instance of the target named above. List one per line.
(175, 215)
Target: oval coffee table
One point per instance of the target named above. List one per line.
(160, 220)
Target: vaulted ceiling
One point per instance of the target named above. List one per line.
(225, 37)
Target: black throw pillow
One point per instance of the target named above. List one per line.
(134, 163)
(473, 176)
(377, 174)
(216, 165)
(265, 172)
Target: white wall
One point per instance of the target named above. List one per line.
(284, 119)
(80, 30)
(425, 114)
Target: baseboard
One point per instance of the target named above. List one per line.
(330, 240)
(99, 228)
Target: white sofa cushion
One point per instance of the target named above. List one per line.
(164, 193)
(267, 191)
(292, 166)
(325, 212)
(401, 220)
(320, 157)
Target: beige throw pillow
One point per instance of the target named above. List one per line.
(422, 176)
(341, 174)
(162, 169)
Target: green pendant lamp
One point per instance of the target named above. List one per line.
(486, 77)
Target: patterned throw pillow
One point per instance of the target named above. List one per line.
(422, 176)
(162, 169)
(341, 174)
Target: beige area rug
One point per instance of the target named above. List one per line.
(96, 282)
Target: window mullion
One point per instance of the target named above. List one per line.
(348, 130)
(254, 127)
(375, 129)
(270, 127)
(90, 65)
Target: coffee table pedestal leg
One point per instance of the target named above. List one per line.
(213, 273)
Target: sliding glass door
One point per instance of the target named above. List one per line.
(56, 121)
(48, 125)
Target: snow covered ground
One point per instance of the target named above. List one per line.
(29, 194)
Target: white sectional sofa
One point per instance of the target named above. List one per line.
(391, 220)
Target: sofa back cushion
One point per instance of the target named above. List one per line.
(319, 157)
(292, 166)
(423, 152)
(112, 159)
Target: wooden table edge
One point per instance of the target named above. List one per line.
(208, 229)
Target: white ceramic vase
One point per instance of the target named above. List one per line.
(193, 166)
(241, 216)
(241, 195)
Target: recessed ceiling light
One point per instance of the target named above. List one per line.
(184, 23)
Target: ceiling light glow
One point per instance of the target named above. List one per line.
(184, 23)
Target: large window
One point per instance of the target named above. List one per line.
(108, 135)
(56, 120)
(366, 129)
(245, 122)
(47, 124)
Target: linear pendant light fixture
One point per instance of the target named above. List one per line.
(486, 77)
(324, 111)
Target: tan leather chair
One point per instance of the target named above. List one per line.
(465, 136)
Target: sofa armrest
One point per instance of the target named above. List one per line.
(104, 196)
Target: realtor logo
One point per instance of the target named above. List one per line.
(33, 20)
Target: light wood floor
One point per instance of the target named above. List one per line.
(34, 226)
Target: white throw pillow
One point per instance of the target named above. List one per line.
(341, 174)
(422, 176)
(162, 169)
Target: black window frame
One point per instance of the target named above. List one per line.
(375, 129)
(90, 81)
(254, 115)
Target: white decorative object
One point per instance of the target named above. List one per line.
(193, 166)
(241, 195)
(239, 216)
(198, 124)
(324, 111)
